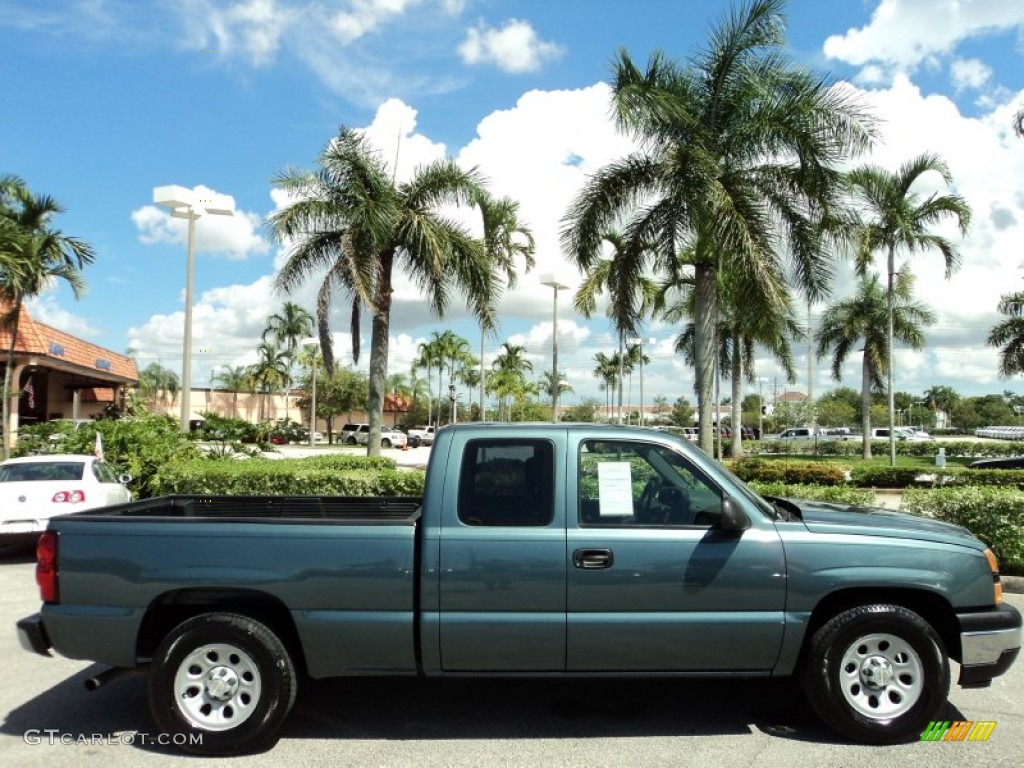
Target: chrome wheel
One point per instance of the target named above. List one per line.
(881, 676)
(217, 687)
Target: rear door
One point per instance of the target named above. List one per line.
(502, 558)
(654, 585)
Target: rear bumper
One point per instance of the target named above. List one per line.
(32, 635)
(990, 642)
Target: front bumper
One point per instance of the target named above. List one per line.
(32, 635)
(989, 643)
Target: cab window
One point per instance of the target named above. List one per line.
(638, 484)
(507, 482)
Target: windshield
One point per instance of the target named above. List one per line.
(41, 471)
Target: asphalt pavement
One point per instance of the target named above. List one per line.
(50, 720)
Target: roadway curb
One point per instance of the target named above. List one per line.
(1014, 584)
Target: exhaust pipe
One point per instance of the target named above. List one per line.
(105, 676)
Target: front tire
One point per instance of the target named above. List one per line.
(876, 674)
(385, 443)
(223, 680)
(351, 441)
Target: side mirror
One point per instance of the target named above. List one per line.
(124, 479)
(733, 516)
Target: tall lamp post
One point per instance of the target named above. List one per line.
(550, 281)
(315, 344)
(183, 204)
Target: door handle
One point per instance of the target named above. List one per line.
(589, 559)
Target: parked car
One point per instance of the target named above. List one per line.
(359, 434)
(1004, 462)
(536, 550)
(425, 434)
(35, 488)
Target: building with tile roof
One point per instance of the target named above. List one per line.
(59, 376)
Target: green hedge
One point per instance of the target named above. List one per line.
(994, 515)
(967, 449)
(836, 493)
(321, 476)
(791, 472)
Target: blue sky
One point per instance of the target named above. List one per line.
(106, 99)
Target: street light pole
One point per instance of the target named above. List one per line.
(183, 205)
(550, 281)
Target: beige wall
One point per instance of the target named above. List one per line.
(247, 406)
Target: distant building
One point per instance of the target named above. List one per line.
(59, 376)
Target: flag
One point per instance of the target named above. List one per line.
(98, 450)
(31, 392)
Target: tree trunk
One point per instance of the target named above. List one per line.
(737, 404)
(380, 327)
(8, 374)
(706, 309)
(865, 404)
(889, 372)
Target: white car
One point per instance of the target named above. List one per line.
(35, 488)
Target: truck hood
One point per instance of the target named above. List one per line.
(825, 517)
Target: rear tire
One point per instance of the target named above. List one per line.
(876, 674)
(385, 443)
(221, 684)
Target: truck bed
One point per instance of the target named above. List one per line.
(355, 510)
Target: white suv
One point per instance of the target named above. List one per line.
(359, 434)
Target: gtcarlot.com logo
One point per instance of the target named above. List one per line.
(51, 736)
(958, 730)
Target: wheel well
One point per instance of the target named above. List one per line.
(172, 608)
(928, 605)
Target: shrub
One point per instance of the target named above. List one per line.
(837, 494)
(792, 472)
(994, 515)
(322, 476)
(139, 445)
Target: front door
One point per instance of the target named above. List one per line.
(653, 583)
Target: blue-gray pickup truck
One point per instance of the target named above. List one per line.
(536, 550)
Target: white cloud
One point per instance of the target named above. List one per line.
(906, 33)
(235, 236)
(969, 73)
(250, 28)
(365, 16)
(45, 309)
(514, 47)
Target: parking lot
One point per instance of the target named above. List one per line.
(370, 722)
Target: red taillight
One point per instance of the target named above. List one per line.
(71, 497)
(46, 567)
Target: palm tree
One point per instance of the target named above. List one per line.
(859, 323)
(741, 328)
(607, 370)
(352, 220)
(941, 397)
(269, 372)
(1008, 335)
(158, 384)
(32, 257)
(505, 238)
(288, 327)
(429, 356)
(509, 380)
(896, 218)
(630, 293)
(547, 386)
(234, 379)
(737, 162)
